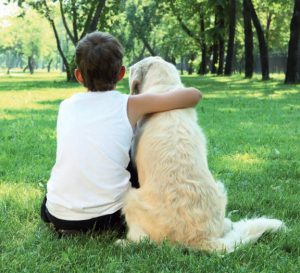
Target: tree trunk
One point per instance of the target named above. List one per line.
(90, 24)
(231, 38)
(263, 49)
(268, 26)
(215, 51)
(173, 60)
(31, 64)
(147, 45)
(221, 25)
(199, 39)
(141, 55)
(49, 65)
(221, 56)
(95, 19)
(293, 61)
(191, 64)
(61, 53)
(248, 34)
(21, 62)
(202, 68)
(181, 65)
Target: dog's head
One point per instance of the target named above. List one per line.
(150, 72)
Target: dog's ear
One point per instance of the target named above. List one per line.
(135, 87)
(135, 79)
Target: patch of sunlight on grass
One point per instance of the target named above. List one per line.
(232, 93)
(229, 109)
(19, 193)
(245, 124)
(289, 106)
(214, 95)
(258, 95)
(222, 79)
(27, 92)
(246, 158)
(241, 161)
(281, 94)
(18, 77)
(31, 99)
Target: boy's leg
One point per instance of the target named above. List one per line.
(43, 211)
(113, 222)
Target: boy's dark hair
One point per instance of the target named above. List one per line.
(99, 58)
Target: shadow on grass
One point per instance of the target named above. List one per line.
(50, 102)
(213, 84)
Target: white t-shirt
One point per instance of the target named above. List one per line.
(89, 178)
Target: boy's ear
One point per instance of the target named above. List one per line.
(78, 76)
(121, 73)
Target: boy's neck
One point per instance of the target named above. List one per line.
(114, 88)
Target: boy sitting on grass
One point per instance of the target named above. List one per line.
(94, 133)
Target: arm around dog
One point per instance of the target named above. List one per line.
(140, 105)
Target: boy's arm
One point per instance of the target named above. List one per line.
(140, 105)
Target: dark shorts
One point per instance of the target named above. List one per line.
(112, 222)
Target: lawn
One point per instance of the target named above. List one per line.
(253, 131)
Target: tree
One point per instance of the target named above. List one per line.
(84, 16)
(248, 34)
(217, 35)
(275, 18)
(11, 44)
(263, 49)
(220, 14)
(196, 32)
(33, 43)
(203, 65)
(231, 37)
(293, 61)
(142, 17)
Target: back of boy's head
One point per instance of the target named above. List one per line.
(99, 59)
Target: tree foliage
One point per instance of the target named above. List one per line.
(32, 44)
(203, 36)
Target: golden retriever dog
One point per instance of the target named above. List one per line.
(178, 198)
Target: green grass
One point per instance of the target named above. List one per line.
(253, 131)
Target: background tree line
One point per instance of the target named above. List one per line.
(203, 36)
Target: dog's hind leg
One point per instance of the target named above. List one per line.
(135, 211)
(136, 233)
(227, 225)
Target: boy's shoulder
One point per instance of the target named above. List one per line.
(72, 98)
(91, 96)
(66, 101)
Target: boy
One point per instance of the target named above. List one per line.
(94, 132)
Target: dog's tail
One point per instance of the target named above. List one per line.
(247, 231)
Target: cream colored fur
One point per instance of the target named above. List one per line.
(178, 198)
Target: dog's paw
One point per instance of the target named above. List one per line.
(122, 242)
